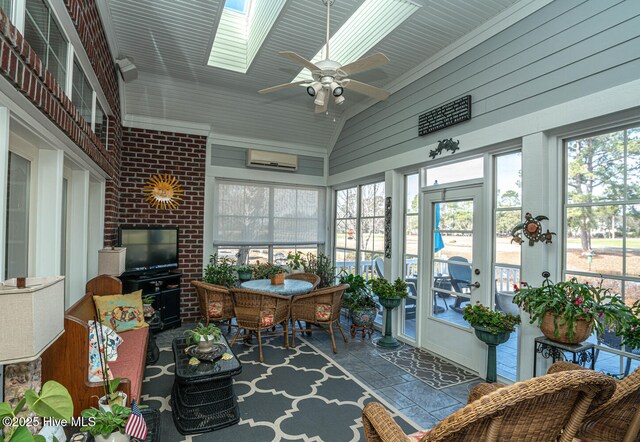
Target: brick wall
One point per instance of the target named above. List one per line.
(20, 65)
(146, 153)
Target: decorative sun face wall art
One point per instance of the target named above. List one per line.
(163, 192)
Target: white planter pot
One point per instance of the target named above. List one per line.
(205, 346)
(104, 405)
(113, 437)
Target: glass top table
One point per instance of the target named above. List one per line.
(291, 287)
(205, 370)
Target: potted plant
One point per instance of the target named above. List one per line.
(568, 311)
(147, 308)
(270, 271)
(220, 271)
(107, 426)
(295, 262)
(204, 336)
(322, 267)
(630, 332)
(363, 308)
(111, 395)
(54, 402)
(244, 272)
(491, 327)
(390, 296)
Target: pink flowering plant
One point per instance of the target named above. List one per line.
(631, 332)
(571, 301)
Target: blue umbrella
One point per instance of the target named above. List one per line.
(438, 242)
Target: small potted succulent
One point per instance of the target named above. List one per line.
(147, 308)
(491, 327)
(295, 262)
(204, 336)
(107, 426)
(390, 296)
(568, 311)
(220, 271)
(363, 308)
(244, 272)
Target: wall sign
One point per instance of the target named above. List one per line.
(454, 112)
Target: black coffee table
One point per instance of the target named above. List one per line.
(202, 398)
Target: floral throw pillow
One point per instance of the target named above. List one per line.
(323, 312)
(121, 312)
(215, 309)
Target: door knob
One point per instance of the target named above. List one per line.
(475, 285)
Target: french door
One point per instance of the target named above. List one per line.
(456, 273)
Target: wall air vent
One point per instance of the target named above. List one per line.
(272, 160)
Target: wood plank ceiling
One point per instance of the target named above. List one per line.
(170, 42)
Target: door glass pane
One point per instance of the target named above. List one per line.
(371, 265)
(17, 234)
(632, 234)
(453, 253)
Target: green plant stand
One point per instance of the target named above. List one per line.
(492, 342)
(388, 341)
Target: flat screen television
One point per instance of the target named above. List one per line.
(149, 249)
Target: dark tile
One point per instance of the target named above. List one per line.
(422, 418)
(461, 391)
(444, 412)
(426, 397)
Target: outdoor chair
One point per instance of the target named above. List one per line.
(460, 278)
(610, 339)
(309, 277)
(258, 312)
(320, 308)
(216, 303)
(547, 408)
(616, 420)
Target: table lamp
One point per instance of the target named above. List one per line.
(111, 261)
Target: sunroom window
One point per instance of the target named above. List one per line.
(81, 94)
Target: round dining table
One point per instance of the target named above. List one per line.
(291, 287)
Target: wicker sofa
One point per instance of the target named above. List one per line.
(67, 360)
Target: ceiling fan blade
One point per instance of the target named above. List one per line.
(366, 89)
(280, 87)
(292, 56)
(323, 108)
(364, 64)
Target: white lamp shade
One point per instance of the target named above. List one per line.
(32, 319)
(112, 261)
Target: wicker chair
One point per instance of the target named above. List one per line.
(547, 408)
(258, 312)
(309, 277)
(321, 308)
(216, 303)
(616, 420)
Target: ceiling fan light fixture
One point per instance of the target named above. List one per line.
(320, 98)
(339, 100)
(314, 88)
(336, 89)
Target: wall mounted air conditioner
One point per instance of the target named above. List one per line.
(272, 160)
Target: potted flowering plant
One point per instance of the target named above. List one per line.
(568, 311)
(630, 333)
(491, 327)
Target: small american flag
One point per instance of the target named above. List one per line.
(136, 426)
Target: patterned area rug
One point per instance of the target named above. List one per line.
(430, 369)
(296, 394)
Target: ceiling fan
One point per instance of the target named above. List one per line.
(330, 78)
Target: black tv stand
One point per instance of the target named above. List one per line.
(164, 287)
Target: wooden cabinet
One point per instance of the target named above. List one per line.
(165, 288)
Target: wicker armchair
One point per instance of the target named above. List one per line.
(258, 312)
(321, 308)
(547, 408)
(616, 420)
(216, 303)
(309, 277)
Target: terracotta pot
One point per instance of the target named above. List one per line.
(583, 330)
(278, 279)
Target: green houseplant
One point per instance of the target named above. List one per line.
(270, 271)
(630, 332)
(491, 327)
(204, 336)
(567, 311)
(54, 401)
(147, 308)
(220, 271)
(295, 262)
(322, 267)
(111, 395)
(107, 426)
(363, 308)
(390, 297)
(244, 272)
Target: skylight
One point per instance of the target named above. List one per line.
(373, 21)
(243, 27)
(240, 6)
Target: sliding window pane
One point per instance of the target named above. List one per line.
(17, 233)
